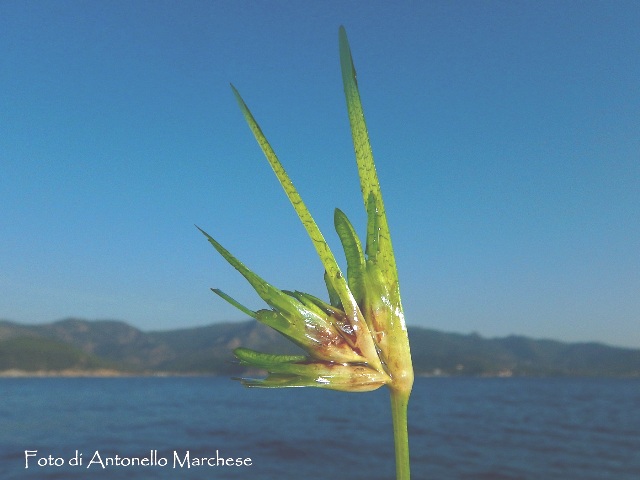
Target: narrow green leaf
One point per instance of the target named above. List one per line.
(334, 298)
(373, 227)
(264, 360)
(266, 291)
(320, 244)
(234, 302)
(307, 301)
(390, 319)
(321, 305)
(298, 371)
(352, 252)
(364, 157)
(275, 320)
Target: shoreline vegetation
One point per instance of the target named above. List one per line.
(105, 348)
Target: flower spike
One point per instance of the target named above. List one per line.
(357, 341)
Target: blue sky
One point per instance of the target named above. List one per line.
(506, 137)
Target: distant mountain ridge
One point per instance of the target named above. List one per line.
(92, 346)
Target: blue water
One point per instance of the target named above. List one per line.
(461, 428)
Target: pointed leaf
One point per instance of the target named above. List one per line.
(266, 291)
(234, 302)
(264, 360)
(364, 157)
(373, 227)
(391, 318)
(320, 244)
(352, 252)
(334, 298)
(296, 371)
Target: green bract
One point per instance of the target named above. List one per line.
(357, 341)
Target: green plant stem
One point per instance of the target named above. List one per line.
(399, 403)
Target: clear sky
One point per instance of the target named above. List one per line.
(506, 136)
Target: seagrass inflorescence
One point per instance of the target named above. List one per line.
(357, 340)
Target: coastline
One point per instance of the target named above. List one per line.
(98, 373)
(72, 372)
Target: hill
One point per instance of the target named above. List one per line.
(93, 346)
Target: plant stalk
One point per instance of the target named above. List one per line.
(399, 403)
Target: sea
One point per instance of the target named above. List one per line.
(213, 428)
